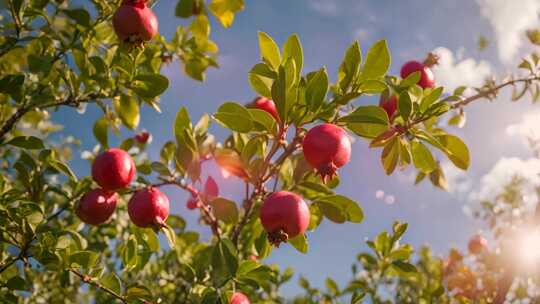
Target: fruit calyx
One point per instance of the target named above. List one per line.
(277, 237)
(431, 60)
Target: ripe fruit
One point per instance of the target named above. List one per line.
(284, 215)
(113, 169)
(148, 207)
(267, 105)
(142, 137)
(477, 244)
(192, 203)
(239, 298)
(326, 148)
(96, 206)
(133, 21)
(389, 105)
(427, 79)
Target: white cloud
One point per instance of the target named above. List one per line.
(361, 34)
(493, 183)
(458, 181)
(528, 128)
(325, 7)
(509, 19)
(454, 71)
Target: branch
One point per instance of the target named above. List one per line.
(89, 280)
(16, 19)
(492, 91)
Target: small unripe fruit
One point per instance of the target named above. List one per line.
(113, 169)
(477, 244)
(192, 203)
(284, 215)
(239, 298)
(142, 137)
(389, 104)
(148, 207)
(267, 105)
(133, 21)
(326, 148)
(96, 206)
(427, 79)
(253, 258)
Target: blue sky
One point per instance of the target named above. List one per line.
(326, 28)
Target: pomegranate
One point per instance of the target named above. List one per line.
(267, 105)
(148, 207)
(326, 148)
(113, 169)
(192, 203)
(427, 79)
(134, 22)
(96, 206)
(142, 137)
(477, 244)
(284, 215)
(253, 258)
(239, 298)
(389, 105)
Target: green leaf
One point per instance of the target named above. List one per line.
(112, 282)
(316, 90)
(127, 109)
(300, 243)
(149, 85)
(64, 168)
(84, 259)
(347, 208)
(349, 67)
(264, 119)
(405, 105)
(27, 142)
(293, 49)
(261, 85)
(371, 86)
(224, 10)
(11, 84)
(170, 235)
(235, 117)
(377, 61)
(404, 267)
(200, 27)
(101, 128)
(357, 297)
(456, 150)
(410, 80)
(224, 262)
(269, 50)
(182, 122)
(129, 254)
(184, 8)
(283, 93)
(390, 156)
(18, 283)
(139, 293)
(367, 115)
(224, 210)
(79, 15)
(422, 158)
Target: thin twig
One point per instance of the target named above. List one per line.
(89, 280)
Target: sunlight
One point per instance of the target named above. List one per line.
(528, 249)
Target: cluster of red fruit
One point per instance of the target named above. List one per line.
(326, 148)
(114, 170)
(427, 80)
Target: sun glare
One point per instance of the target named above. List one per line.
(528, 249)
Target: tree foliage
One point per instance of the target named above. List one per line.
(56, 54)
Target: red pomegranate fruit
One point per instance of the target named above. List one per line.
(149, 207)
(142, 138)
(134, 22)
(284, 215)
(389, 104)
(267, 105)
(113, 169)
(239, 298)
(96, 206)
(427, 79)
(326, 148)
(477, 244)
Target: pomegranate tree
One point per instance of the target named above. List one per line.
(427, 78)
(477, 244)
